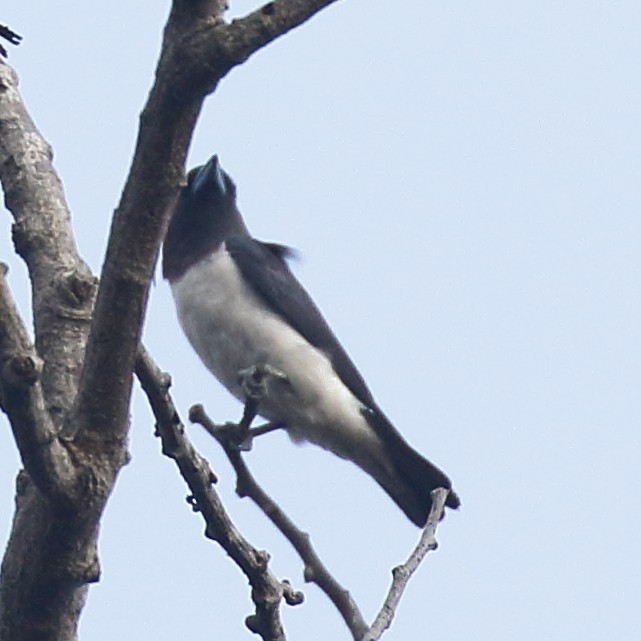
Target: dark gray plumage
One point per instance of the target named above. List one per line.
(240, 306)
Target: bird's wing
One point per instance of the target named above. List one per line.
(263, 267)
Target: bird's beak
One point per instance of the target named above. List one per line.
(210, 174)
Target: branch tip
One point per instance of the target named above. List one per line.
(197, 414)
(292, 596)
(262, 558)
(309, 576)
(402, 573)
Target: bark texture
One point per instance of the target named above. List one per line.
(51, 554)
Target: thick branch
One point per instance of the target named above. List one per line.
(198, 50)
(403, 573)
(45, 459)
(51, 554)
(266, 589)
(245, 36)
(315, 570)
(63, 287)
(166, 127)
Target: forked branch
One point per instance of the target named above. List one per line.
(315, 570)
(403, 573)
(21, 398)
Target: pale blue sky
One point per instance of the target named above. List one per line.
(463, 183)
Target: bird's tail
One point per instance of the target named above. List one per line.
(413, 477)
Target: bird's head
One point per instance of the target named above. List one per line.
(204, 215)
(208, 200)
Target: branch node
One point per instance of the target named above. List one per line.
(241, 488)
(23, 370)
(191, 500)
(197, 413)
(262, 559)
(291, 596)
(90, 572)
(398, 573)
(165, 384)
(23, 241)
(78, 289)
(309, 574)
(253, 623)
(269, 9)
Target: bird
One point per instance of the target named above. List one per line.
(249, 319)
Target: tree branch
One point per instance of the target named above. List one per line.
(402, 573)
(198, 51)
(245, 36)
(62, 285)
(45, 459)
(315, 570)
(51, 554)
(266, 589)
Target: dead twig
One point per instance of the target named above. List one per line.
(402, 573)
(11, 36)
(267, 590)
(315, 571)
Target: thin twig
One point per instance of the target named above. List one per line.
(11, 36)
(267, 590)
(315, 570)
(402, 573)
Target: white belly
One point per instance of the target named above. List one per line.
(231, 330)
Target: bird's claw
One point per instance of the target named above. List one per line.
(241, 437)
(253, 380)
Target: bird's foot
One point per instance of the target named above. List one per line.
(253, 380)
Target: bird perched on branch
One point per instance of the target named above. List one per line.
(259, 332)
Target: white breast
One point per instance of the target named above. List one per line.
(232, 330)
